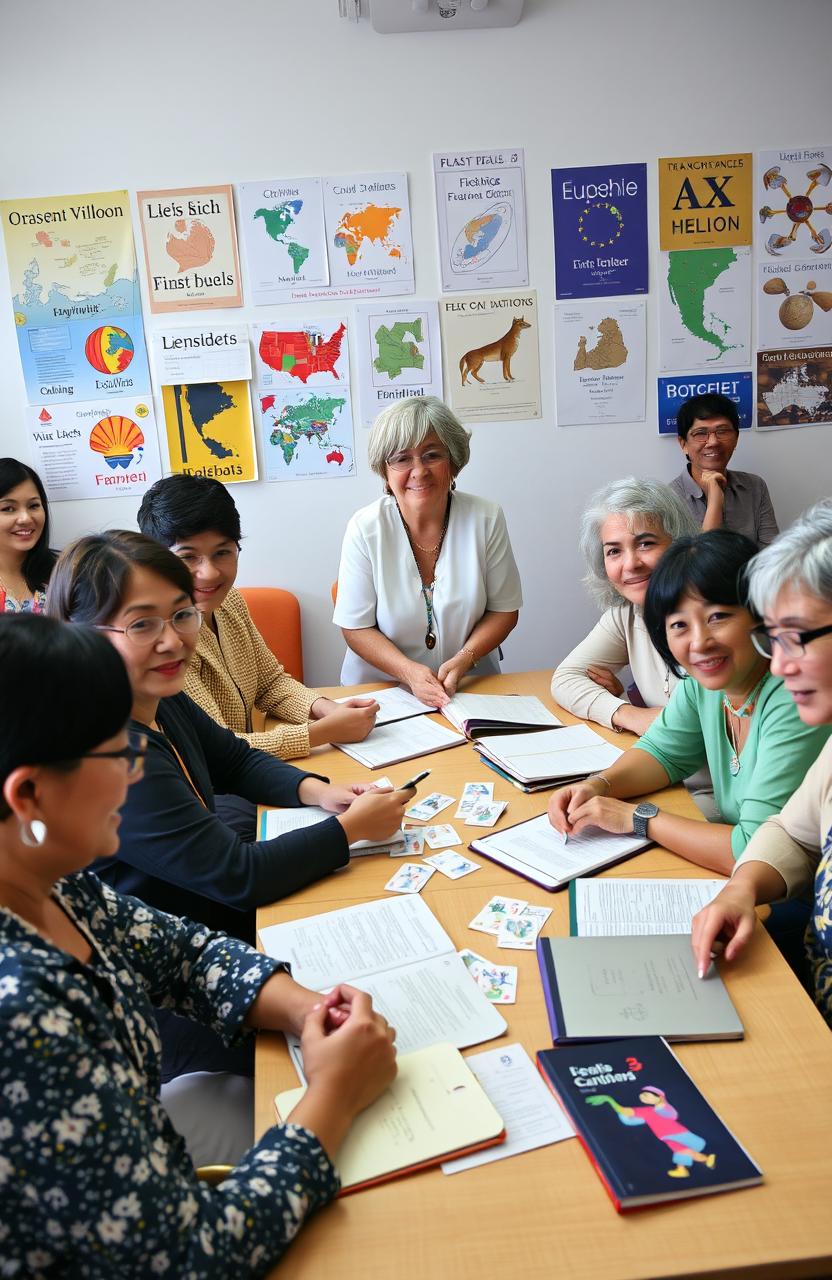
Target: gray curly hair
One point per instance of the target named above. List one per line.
(405, 424)
(800, 557)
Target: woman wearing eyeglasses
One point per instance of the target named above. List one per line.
(790, 583)
(731, 713)
(95, 1181)
(428, 588)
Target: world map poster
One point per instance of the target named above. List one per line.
(369, 239)
(481, 218)
(282, 227)
(705, 308)
(307, 435)
(190, 248)
(209, 430)
(397, 352)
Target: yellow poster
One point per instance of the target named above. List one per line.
(705, 201)
(190, 248)
(209, 430)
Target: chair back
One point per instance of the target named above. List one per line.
(276, 615)
(333, 591)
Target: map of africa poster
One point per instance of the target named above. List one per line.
(369, 240)
(209, 430)
(307, 435)
(397, 352)
(282, 226)
(705, 308)
(190, 248)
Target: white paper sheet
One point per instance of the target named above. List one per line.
(394, 704)
(551, 753)
(616, 906)
(537, 849)
(511, 708)
(391, 743)
(279, 821)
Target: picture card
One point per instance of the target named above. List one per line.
(441, 835)
(426, 810)
(452, 865)
(495, 911)
(520, 932)
(411, 877)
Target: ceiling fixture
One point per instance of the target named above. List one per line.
(392, 16)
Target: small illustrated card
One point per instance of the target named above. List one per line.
(498, 983)
(495, 911)
(520, 932)
(427, 809)
(413, 847)
(452, 865)
(383, 784)
(441, 835)
(474, 793)
(411, 877)
(485, 813)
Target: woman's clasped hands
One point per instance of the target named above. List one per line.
(584, 804)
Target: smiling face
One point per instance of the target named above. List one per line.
(710, 444)
(419, 489)
(156, 670)
(22, 518)
(808, 677)
(212, 560)
(712, 643)
(632, 548)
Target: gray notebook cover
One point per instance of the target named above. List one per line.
(624, 986)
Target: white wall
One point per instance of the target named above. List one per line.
(170, 93)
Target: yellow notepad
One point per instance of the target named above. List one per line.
(435, 1109)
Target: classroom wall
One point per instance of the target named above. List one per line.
(172, 93)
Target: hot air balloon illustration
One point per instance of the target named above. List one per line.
(117, 438)
(109, 349)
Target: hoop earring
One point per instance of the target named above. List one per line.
(33, 833)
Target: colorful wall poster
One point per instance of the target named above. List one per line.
(282, 226)
(794, 387)
(794, 303)
(398, 353)
(75, 296)
(704, 308)
(98, 449)
(490, 349)
(369, 241)
(190, 248)
(202, 353)
(209, 430)
(705, 201)
(600, 361)
(675, 390)
(295, 352)
(793, 199)
(481, 218)
(600, 220)
(306, 434)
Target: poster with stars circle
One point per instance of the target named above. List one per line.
(600, 223)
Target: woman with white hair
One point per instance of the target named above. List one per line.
(625, 530)
(790, 584)
(428, 587)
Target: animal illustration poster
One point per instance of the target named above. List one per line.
(794, 303)
(491, 352)
(282, 225)
(97, 449)
(705, 201)
(600, 217)
(481, 217)
(209, 430)
(600, 361)
(398, 354)
(793, 203)
(190, 248)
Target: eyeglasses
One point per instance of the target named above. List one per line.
(793, 643)
(134, 754)
(430, 458)
(700, 434)
(144, 631)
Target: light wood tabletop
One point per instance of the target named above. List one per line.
(545, 1213)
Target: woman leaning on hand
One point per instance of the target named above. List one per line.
(428, 587)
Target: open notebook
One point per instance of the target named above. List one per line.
(276, 822)
(550, 755)
(534, 849)
(477, 713)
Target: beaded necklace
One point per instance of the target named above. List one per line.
(741, 713)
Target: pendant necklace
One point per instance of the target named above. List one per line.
(741, 713)
(427, 588)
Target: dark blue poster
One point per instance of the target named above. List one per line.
(600, 216)
(674, 391)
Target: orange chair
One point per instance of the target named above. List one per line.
(276, 615)
(333, 591)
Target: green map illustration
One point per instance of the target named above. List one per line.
(312, 419)
(278, 221)
(394, 352)
(690, 274)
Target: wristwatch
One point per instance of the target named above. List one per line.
(643, 813)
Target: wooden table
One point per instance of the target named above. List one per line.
(545, 1213)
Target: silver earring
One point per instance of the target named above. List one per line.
(33, 833)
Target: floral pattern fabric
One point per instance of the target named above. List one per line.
(94, 1180)
(36, 603)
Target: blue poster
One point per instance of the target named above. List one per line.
(600, 216)
(84, 359)
(674, 391)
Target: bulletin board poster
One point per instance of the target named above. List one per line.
(491, 352)
(793, 200)
(600, 223)
(75, 296)
(794, 387)
(481, 218)
(282, 227)
(705, 201)
(794, 303)
(369, 237)
(705, 307)
(600, 361)
(398, 354)
(98, 449)
(674, 391)
(209, 430)
(190, 248)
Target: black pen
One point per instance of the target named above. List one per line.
(413, 782)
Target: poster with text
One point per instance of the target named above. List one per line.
(793, 202)
(209, 430)
(705, 201)
(190, 248)
(75, 296)
(794, 303)
(369, 240)
(704, 308)
(398, 354)
(600, 221)
(202, 353)
(95, 449)
(307, 435)
(794, 387)
(301, 352)
(490, 344)
(674, 391)
(282, 226)
(600, 361)
(481, 218)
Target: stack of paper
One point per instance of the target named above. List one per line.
(402, 740)
(276, 822)
(478, 713)
(393, 704)
(540, 853)
(551, 757)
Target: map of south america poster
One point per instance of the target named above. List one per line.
(397, 352)
(209, 430)
(282, 227)
(190, 248)
(705, 308)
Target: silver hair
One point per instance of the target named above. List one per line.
(801, 558)
(628, 497)
(405, 424)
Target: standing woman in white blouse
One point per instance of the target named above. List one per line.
(428, 587)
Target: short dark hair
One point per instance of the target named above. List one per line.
(711, 565)
(63, 691)
(92, 574)
(39, 561)
(702, 409)
(180, 507)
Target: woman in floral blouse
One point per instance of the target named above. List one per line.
(94, 1180)
(25, 559)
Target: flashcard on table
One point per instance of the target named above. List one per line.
(411, 877)
(495, 911)
(414, 844)
(474, 793)
(486, 813)
(427, 809)
(520, 932)
(441, 835)
(497, 982)
(452, 865)
(383, 784)
(472, 958)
